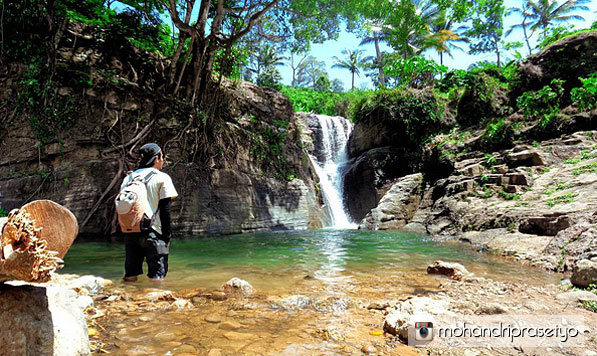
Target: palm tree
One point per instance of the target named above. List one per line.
(523, 11)
(443, 38)
(353, 61)
(545, 12)
(268, 56)
(378, 36)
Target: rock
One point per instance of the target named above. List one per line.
(84, 301)
(239, 285)
(367, 178)
(527, 158)
(415, 228)
(577, 296)
(368, 349)
(216, 295)
(397, 206)
(95, 285)
(567, 59)
(491, 308)
(405, 314)
(548, 225)
(181, 303)
(215, 352)
(236, 336)
(213, 318)
(187, 348)
(161, 295)
(44, 321)
(295, 302)
(584, 274)
(451, 269)
(230, 325)
(519, 179)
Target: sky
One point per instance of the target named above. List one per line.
(461, 60)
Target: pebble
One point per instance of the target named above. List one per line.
(187, 348)
(164, 336)
(145, 318)
(213, 318)
(233, 335)
(215, 352)
(368, 349)
(230, 325)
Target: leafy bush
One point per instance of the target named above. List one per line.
(413, 72)
(326, 103)
(586, 96)
(542, 102)
(498, 134)
(415, 112)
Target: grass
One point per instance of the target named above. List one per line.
(562, 199)
(589, 168)
(590, 305)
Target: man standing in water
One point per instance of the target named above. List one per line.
(151, 244)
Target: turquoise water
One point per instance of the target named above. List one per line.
(279, 257)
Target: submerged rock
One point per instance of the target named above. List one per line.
(41, 321)
(585, 273)
(295, 302)
(451, 269)
(239, 285)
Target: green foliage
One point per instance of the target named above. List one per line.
(555, 34)
(509, 196)
(230, 62)
(270, 77)
(498, 133)
(322, 84)
(586, 96)
(589, 168)
(590, 305)
(542, 103)
(327, 103)
(487, 27)
(49, 114)
(413, 72)
(2, 212)
(562, 199)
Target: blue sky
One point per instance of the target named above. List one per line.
(325, 51)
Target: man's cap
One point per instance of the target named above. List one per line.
(148, 153)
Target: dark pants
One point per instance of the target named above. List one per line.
(145, 246)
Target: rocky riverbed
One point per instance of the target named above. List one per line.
(314, 317)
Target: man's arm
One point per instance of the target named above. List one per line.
(165, 219)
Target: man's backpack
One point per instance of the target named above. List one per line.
(132, 206)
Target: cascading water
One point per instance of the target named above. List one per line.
(328, 162)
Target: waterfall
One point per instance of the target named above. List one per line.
(332, 133)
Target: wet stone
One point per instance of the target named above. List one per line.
(165, 336)
(230, 325)
(368, 349)
(145, 318)
(235, 336)
(213, 318)
(187, 348)
(215, 352)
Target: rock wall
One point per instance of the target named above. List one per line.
(238, 164)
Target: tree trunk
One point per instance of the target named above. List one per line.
(34, 239)
(352, 81)
(382, 79)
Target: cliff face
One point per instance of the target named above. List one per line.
(238, 165)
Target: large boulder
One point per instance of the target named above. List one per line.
(367, 178)
(451, 269)
(568, 59)
(417, 309)
(584, 274)
(397, 207)
(41, 321)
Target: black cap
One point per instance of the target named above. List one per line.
(148, 152)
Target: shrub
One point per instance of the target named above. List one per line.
(498, 134)
(413, 72)
(326, 103)
(542, 102)
(586, 96)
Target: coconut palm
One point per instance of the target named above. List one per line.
(546, 12)
(353, 61)
(443, 37)
(378, 36)
(526, 14)
(268, 56)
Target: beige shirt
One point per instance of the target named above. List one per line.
(160, 186)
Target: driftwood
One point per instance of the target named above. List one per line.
(34, 239)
